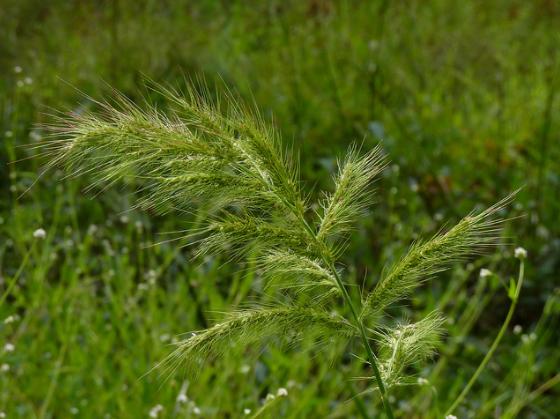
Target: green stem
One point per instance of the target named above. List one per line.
(12, 282)
(365, 341)
(359, 324)
(495, 344)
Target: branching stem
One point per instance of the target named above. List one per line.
(357, 320)
(365, 341)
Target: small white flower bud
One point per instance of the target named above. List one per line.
(485, 273)
(155, 411)
(520, 253)
(422, 381)
(40, 233)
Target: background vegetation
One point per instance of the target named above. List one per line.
(464, 96)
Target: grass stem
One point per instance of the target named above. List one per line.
(357, 320)
(495, 344)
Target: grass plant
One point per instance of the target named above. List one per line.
(219, 154)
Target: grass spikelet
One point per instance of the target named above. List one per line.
(288, 264)
(351, 195)
(407, 344)
(470, 236)
(238, 233)
(251, 326)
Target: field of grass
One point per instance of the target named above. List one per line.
(464, 99)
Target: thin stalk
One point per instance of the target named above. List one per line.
(495, 344)
(544, 387)
(358, 322)
(365, 341)
(12, 282)
(517, 405)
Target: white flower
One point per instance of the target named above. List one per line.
(2, 415)
(154, 411)
(520, 253)
(5, 367)
(182, 398)
(9, 347)
(422, 381)
(485, 273)
(40, 233)
(270, 396)
(517, 329)
(196, 410)
(247, 411)
(92, 229)
(9, 319)
(17, 69)
(451, 417)
(151, 276)
(28, 80)
(74, 410)
(282, 392)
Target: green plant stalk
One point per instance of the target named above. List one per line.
(13, 280)
(357, 320)
(365, 341)
(495, 344)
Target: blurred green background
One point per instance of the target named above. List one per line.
(463, 95)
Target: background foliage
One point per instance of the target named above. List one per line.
(464, 97)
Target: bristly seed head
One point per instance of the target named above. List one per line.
(233, 165)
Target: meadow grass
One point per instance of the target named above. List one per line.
(464, 99)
